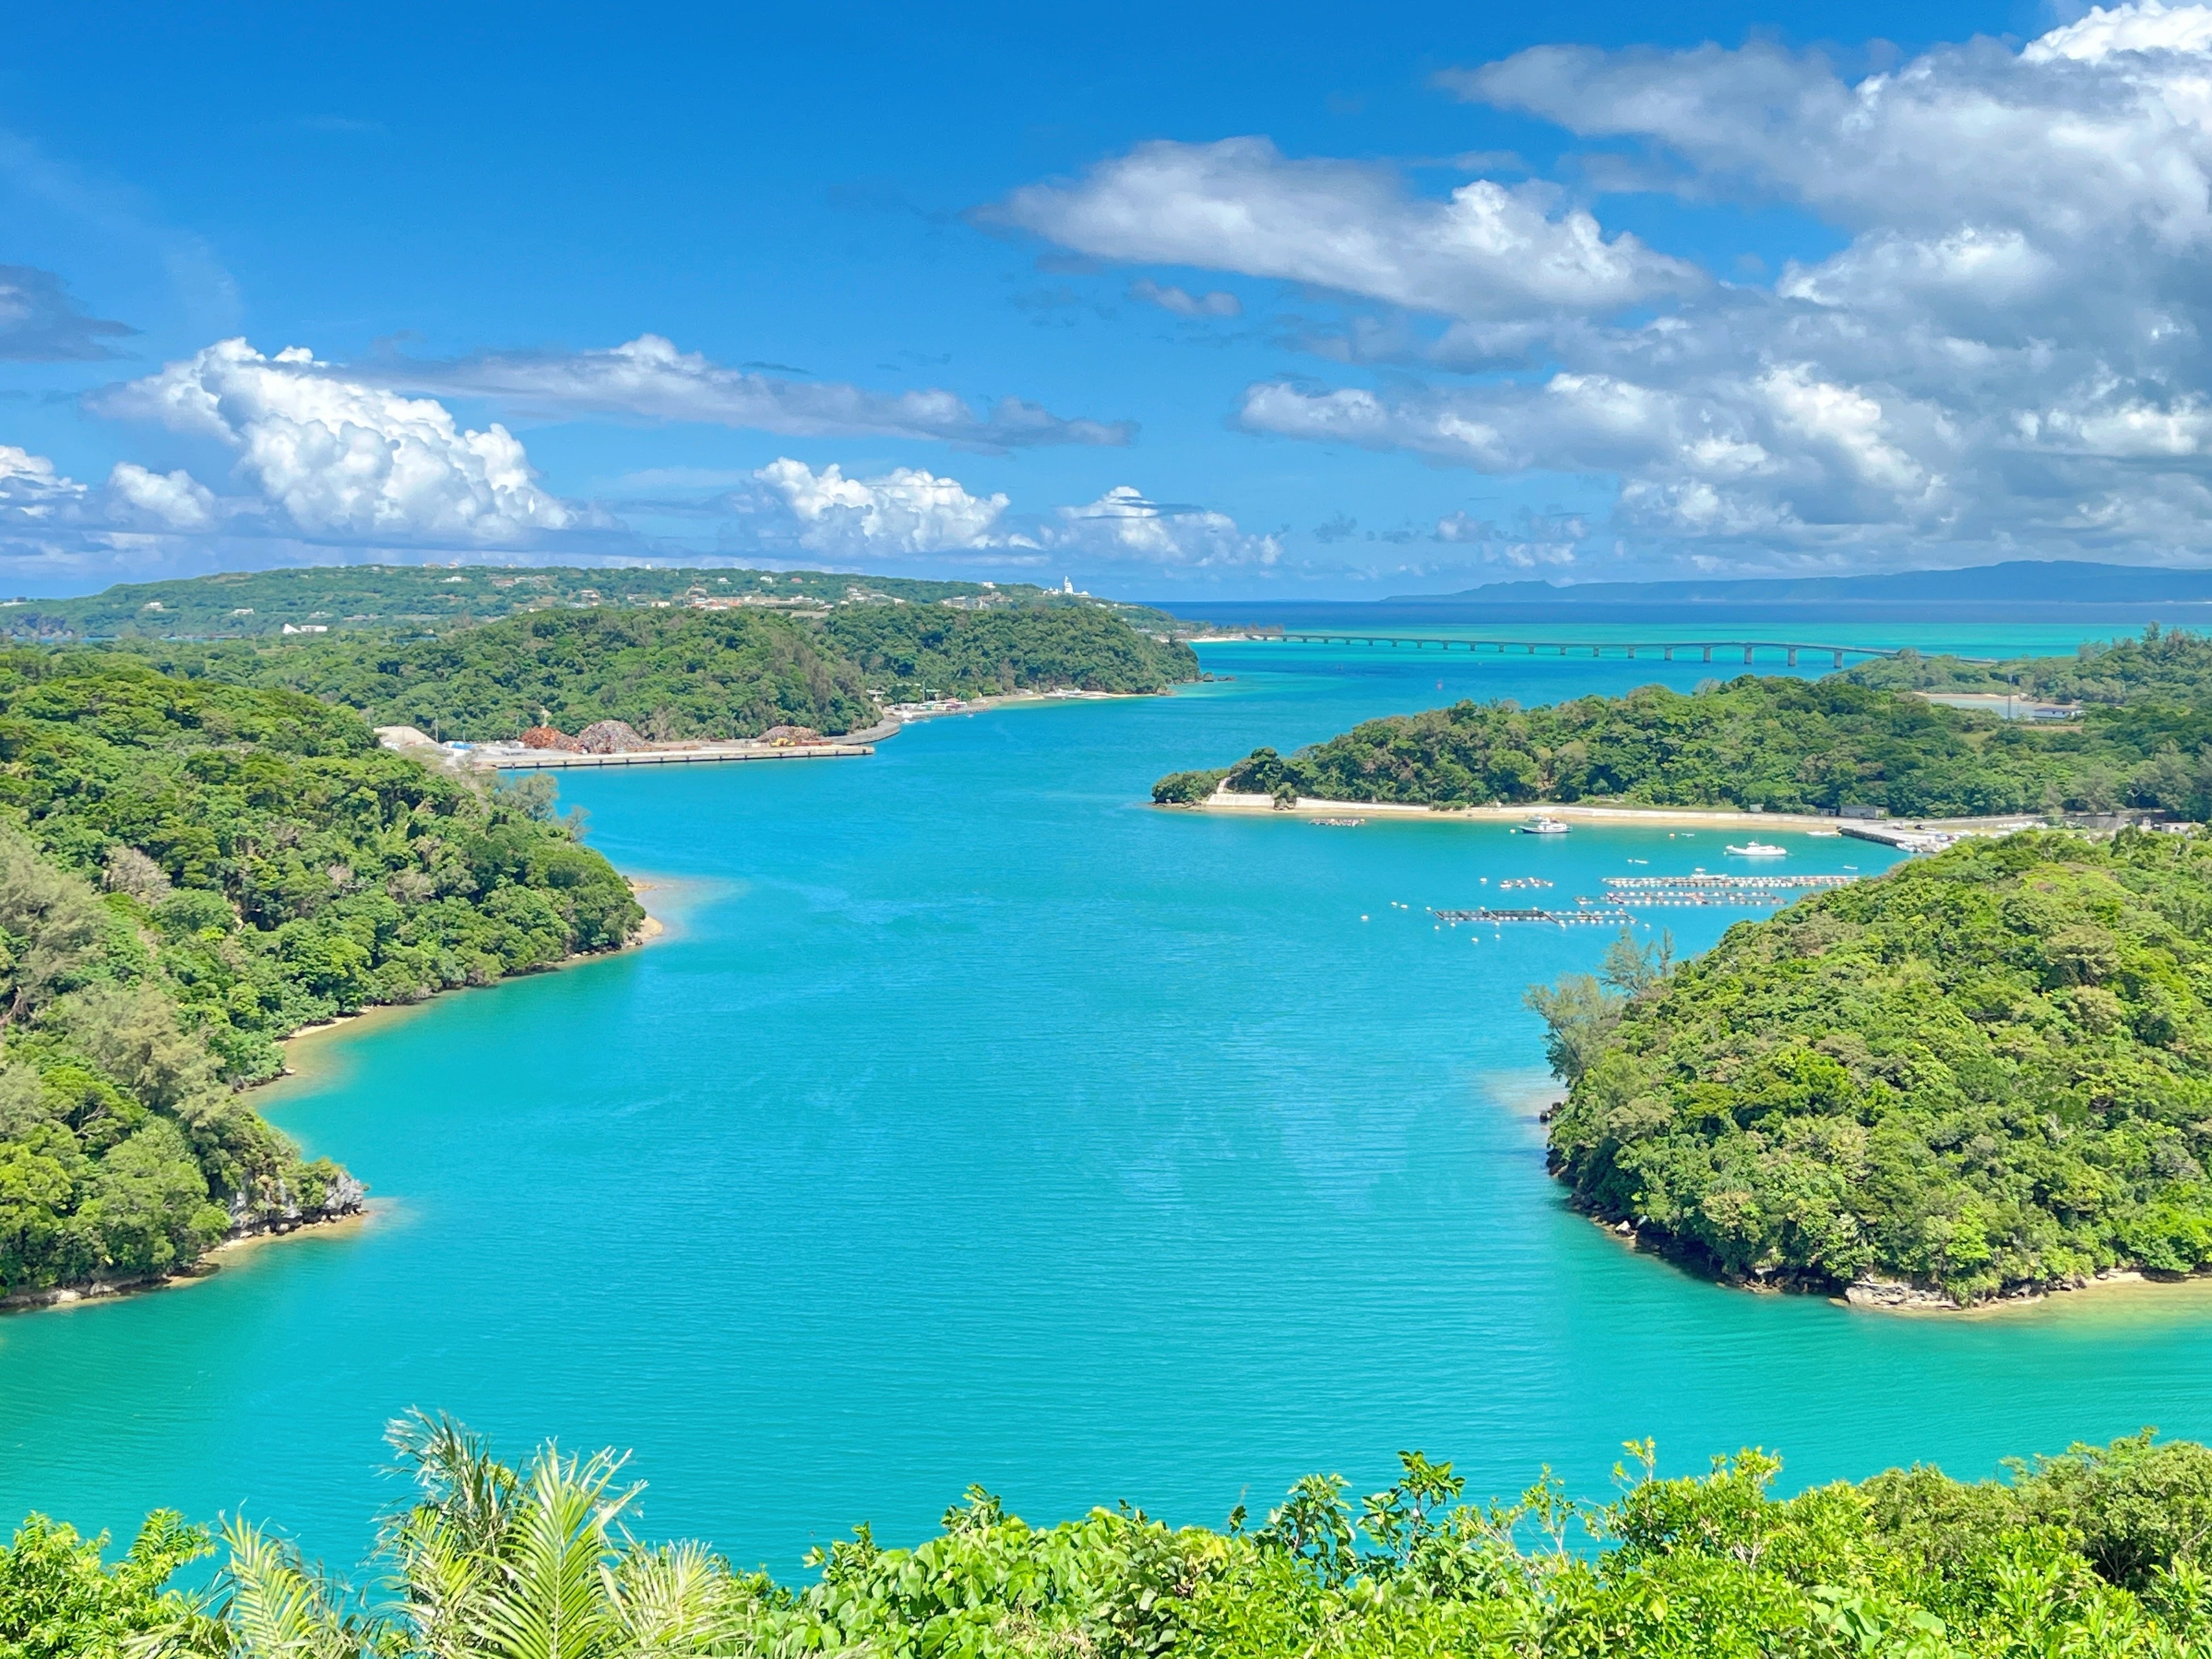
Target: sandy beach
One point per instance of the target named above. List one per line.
(1712, 818)
(909, 713)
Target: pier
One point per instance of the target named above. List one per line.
(1683, 892)
(1664, 649)
(1625, 894)
(1613, 917)
(1703, 881)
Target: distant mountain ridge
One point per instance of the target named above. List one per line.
(2016, 581)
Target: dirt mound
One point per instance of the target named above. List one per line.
(550, 737)
(610, 738)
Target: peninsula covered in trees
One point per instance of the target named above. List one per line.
(686, 672)
(189, 872)
(2098, 1552)
(1982, 1073)
(1774, 744)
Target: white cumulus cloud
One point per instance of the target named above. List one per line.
(903, 512)
(342, 458)
(1126, 526)
(788, 507)
(174, 501)
(2006, 354)
(32, 494)
(1240, 204)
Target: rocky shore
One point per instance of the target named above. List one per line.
(348, 1202)
(1880, 1295)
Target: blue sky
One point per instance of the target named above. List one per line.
(1280, 300)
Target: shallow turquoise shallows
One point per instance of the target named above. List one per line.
(976, 1122)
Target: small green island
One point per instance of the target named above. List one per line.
(1781, 744)
(2098, 1552)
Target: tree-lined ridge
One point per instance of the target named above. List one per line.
(189, 872)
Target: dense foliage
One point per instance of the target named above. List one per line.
(669, 673)
(2095, 1553)
(689, 673)
(2171, 665)
(265, 865)
(413, 598)
(123, 1152)
(1776, 743)
(1982, 1072)
(911, 651)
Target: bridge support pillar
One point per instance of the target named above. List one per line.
(1793, 656)
(1709, 654)
(1840, 659)
(1670, 653)
(1746, 656)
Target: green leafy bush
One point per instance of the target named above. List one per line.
(2073, 1555)
(1186, 788)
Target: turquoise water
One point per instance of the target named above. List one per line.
(977, 1123)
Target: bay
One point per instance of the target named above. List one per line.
(976, 1122)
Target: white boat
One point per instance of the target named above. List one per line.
(1760, 849)
(1541, 825)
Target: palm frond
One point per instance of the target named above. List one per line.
(275, 1608)
(551, 1602)
(675, 1601)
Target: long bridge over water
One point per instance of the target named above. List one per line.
(1664, 648)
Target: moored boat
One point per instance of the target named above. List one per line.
(1541, 825)
(1759, 849)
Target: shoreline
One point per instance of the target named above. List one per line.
(308, 1043)
(914, 714)
(1894, 1298)
(196, 1272)
(652, 931)
(1238, 805)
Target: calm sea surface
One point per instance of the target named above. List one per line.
(976, 1122)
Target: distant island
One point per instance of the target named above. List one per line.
(1781, 744)
(2068, 583)
(1987, 1074)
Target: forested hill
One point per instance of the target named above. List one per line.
(2167, 666)
(1777, 743)
(692, 673)
(433, 598)
(2099, 1553)
(1983, 1071)
(261, 864)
